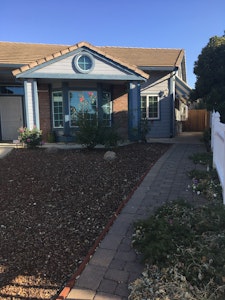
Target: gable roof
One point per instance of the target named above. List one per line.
(27, 55)
(86, 45)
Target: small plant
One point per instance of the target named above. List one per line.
(89, 133)
(207, 138)
(110, 137)
(30, 137)
(51, 137)
(204, 158)
(205, 182)
(145, 128)
(93, 132)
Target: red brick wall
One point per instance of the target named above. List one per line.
(120, 110)
(44, 109)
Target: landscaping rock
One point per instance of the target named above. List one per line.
(110, 155)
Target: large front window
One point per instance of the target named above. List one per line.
(57, 109)
(84, 102)
(149, 107)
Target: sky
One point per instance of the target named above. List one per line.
(183, 24)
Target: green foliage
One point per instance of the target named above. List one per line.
(88, 133)
(207, 138)
(185, 245)
(92, 132)
(162, 231)
(110, 137)
(204, 158)
(206, 181)
(145, 128)
(51, 137)
(30, 137)
(210, 72)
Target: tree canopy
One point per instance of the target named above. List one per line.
(210, 73)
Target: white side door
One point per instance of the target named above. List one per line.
(11, 117)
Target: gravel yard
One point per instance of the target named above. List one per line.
(54, 204)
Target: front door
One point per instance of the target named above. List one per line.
(11, 117)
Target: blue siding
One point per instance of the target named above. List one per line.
(162, 128)
(158, 83)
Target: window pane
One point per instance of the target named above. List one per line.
(57, 109)
(106, 108)
(143, 107)
(82, 102)
(153, 107)
(85, 63)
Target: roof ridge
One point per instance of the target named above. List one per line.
(136, 47)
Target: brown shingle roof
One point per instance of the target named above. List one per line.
(72, 48)
(23, 53)
(144, 57)
(31, 55)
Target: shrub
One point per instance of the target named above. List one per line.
(92, 132)
(89, 133)
(30, 137)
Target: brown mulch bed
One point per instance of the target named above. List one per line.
(53, 206)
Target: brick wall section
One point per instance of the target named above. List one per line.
(44, 109)
(120, 110)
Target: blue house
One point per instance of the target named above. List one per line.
(46, 85)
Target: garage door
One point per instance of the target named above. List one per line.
(11, 117)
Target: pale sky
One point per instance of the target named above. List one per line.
(184, 24)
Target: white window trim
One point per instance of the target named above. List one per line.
(76, 62)
(147, 106)
(53, 113)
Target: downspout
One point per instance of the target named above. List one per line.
(133, 111)
(26, 93)
(172, 97)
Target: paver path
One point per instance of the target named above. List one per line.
(115, 263)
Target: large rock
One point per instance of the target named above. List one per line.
(110, 155)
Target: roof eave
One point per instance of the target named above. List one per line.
(157, 68)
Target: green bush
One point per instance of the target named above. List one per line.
(51, 137)
(89, 133)
(93, 132)
(30, 137)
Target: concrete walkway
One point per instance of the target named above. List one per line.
(115, 264)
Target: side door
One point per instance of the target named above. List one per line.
(11, 117)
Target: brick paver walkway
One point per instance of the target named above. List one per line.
(115, 263)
